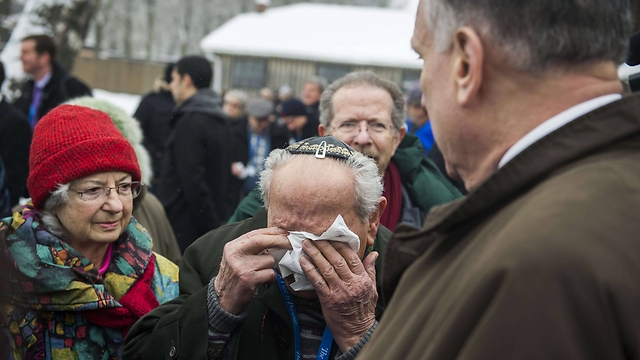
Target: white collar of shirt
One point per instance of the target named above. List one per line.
(44, 81)
(555, 123)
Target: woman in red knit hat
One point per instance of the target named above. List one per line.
(76, 269)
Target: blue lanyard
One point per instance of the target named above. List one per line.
(327, 337)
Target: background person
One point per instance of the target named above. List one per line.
(5, 199)
(50, 85)
(310, 96)
(418, 118)
(298, 121)
(154, 114)
(235, 105)
(195, 185)
(76, 269)
(255, 136)
(15, 140)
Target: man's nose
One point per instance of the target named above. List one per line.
(362, 137)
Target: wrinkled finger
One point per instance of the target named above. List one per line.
(316, 279)
(256, 241)
(317, 257)
(343, 252)
(331, 265)
(369, 264)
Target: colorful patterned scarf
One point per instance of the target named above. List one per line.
(47, 288)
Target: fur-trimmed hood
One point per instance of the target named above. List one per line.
(128, 126)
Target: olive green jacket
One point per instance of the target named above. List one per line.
(541, 261)
(178, 329)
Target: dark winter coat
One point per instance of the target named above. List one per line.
(5, 203)
(310, 129)
(278, 139)
(541, 261)
(182, 324)
(149, 212)
(197, 168)
(154, 113)
(240, 130)
(60, 88)
(15, 141)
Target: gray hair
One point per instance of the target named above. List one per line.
(238, 95)
(368, 184)
(318, 81)
(57, 198)
(536, 36)
(359, 78)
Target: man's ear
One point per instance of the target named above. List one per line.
(468, 61)
(322, 131)
(374, 220)
(46, 58)
(188, 81)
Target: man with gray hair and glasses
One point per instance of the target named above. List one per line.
(541, 260)
(261, 288)
(367, 113)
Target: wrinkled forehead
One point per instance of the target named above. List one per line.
(307, 172)
(307, 188)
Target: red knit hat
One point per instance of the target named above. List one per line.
(72, 142)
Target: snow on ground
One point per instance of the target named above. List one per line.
(128, 102)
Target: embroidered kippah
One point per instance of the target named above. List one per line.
(321, 147)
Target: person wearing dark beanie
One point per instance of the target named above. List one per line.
(298, 120)
(76, 269)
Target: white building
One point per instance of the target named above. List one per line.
(287, 45)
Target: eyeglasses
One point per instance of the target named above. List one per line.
(132, 189)
(233, 104)
(353, 128)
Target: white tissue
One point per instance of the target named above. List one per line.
(290, 262)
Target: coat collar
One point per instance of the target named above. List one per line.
(587, 134)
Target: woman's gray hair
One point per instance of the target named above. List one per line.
(238, 95)
(57, 198)
(537, 36)
(318, 81)
(368, 184)
(358, 78)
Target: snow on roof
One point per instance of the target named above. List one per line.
(320, 32)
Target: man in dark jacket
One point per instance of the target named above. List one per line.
(298, 121)
(154, 113)
(256, 135)
(233, 303)
(15, 141)
(197, 158)
(50, 85)
(541, 260)
(310, 96)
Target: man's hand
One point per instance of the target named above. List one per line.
(245, 265)
(346, 288)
